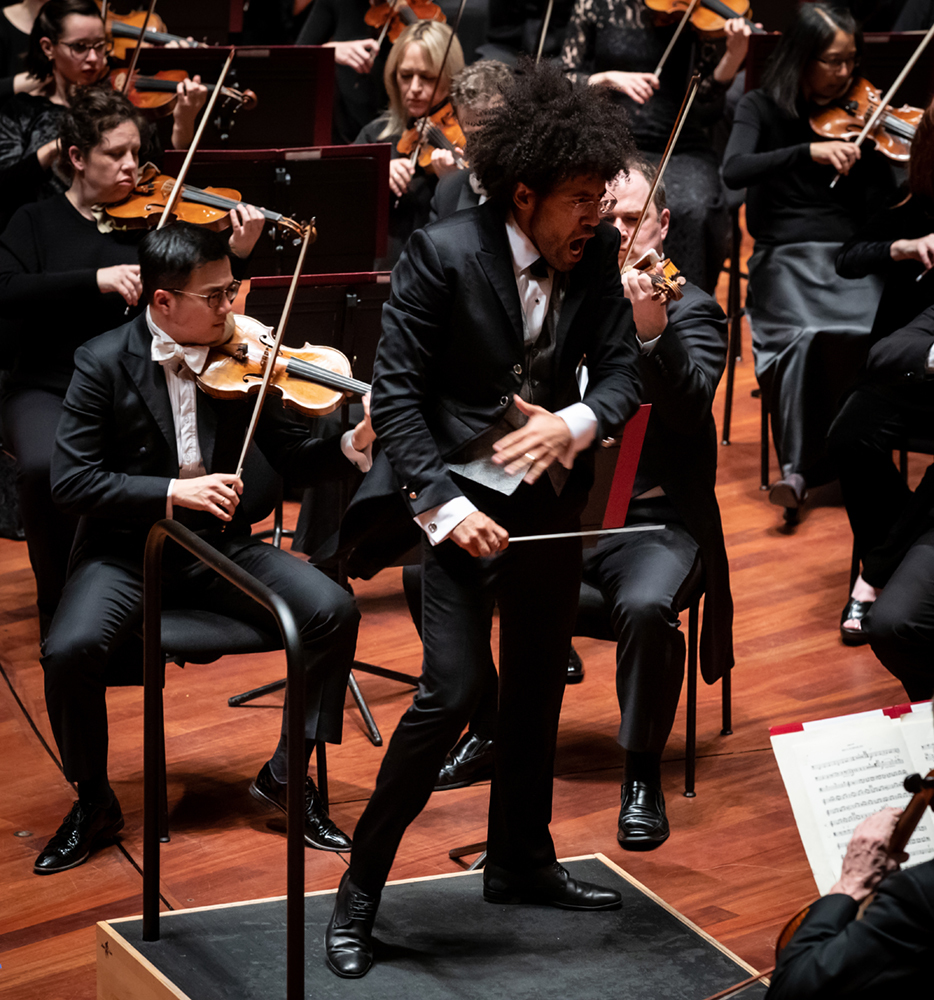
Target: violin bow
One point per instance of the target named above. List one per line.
(546, 21)
(584, 534)
(663, 163)
(139, 46)
(682, 24)
(273, 352)
(192, 149)
(890, 93)
(423, 124)
(393, 4)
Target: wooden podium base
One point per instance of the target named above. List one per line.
(435, 939)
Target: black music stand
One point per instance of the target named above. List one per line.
(345, 188)
(294, 86)
(342, 311)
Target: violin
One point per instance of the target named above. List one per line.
(708, 18)
(846, 117)
(922, 797)
(210, 206)
(313, 380)
(394, 16)
(156, 95)
(441, 131)
(667, 282)
(125, 31)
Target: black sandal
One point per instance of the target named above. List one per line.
(856, 611)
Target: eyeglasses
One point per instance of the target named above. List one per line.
(213, 299)
(81, 49)
(837, 63)
(604, 206)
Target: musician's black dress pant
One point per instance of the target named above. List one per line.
(900, 623)
(101, 607)
(536, 586)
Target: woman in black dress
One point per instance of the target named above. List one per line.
(413, 68)
(65, 276)
(615, 44)
(810, 328)
(16, 23)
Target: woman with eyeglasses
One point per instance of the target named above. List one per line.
(810, 328)
(66, 275)
(68, 48)
(413, 70)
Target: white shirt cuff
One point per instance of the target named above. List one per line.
(440, 521)
(647, 346)
(363, 460)
(929, 364)
(582, 423)
(168, 500)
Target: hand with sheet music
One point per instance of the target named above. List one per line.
(867, 860)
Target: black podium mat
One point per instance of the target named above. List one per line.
(437, 939)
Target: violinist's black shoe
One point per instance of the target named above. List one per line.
(643, 825)
(789, 492)
(321, 832)
(84, 829)
(575, 667)
(471, 760)
(549, 886)
(348, 941)
(854, 611)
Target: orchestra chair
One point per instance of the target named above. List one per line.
(734, 308)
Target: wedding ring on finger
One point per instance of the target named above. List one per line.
(531, 457)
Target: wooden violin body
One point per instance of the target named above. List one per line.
(667, 282)
(210, 206)
(442, 131)
(401, 14)
(125, 31)
(156, 95)
(846, 118)
(313, 380)
(709, 17)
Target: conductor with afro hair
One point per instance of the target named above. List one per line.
(485, 435)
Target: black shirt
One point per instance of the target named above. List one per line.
(13, 45)
(789, 198)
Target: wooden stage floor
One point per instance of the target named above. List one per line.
(734, 864)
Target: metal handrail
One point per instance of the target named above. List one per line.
(153, 728)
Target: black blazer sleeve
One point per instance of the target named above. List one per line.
(902, 356)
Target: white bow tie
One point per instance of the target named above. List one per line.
(193, 356)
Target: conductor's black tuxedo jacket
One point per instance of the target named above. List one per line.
(451, 354)
(115, 451)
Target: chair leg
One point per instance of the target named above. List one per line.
(764, 441)
(726, 698)
(690, 749)
(736, 328)
(163, 791)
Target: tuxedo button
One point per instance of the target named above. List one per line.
(142, 449)
(504, 401)
(413, 495)
(517, 369)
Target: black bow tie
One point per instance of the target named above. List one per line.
(539, 268)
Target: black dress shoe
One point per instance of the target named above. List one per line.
(471, 760)
(789, 492)
(321, 832)
(348, 941)
(575, 667)
(857, 611)
(643, 825)
(84, 829)
(550, 886)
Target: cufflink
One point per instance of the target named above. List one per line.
(413, 495)
(432, 527)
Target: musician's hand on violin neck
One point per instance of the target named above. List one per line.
(358, 55)
(867, 859)
(123, 279)
(443, 162)
(217, 494)
(247, 224)
(649, 306)
(921, 249)
(401, 173)
(192, 95)
(637, 86)
(480, 535)
(835, 153)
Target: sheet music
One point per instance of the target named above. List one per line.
(843, 770)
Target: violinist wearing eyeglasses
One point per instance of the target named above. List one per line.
(138, 442)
